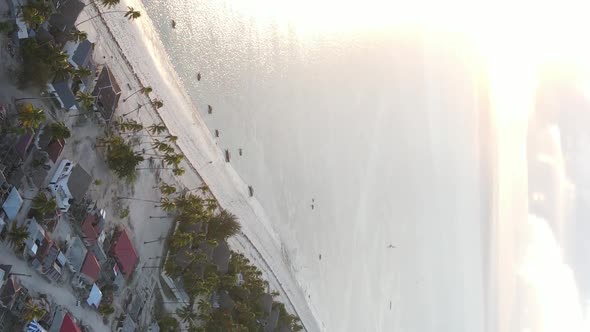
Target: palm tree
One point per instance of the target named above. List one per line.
(157, 129)
(178, 171)
(82, 72)
(122, 159)
(30, 117)
(86, 99)
(57, 58)
(63, 71)
(131, 14)
(162, 147)
(204, 306)
(157, 103)
(222, 226)
(43, 204)
(59, 130)
(181, 239)
(146, 90)
(109, 3)
(17, 235)
(172, 138)
(173, 159)
(130, 125)
(167, 189)
(186, 314)
(167, 205)
(35, 14)
(78, 36)
(33, 311)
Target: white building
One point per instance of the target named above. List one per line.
(69, 183)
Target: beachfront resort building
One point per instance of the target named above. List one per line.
(69, 183)
(64, 90)
(107, 93)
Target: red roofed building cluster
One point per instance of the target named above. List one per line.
(90, 268)
(124, 253)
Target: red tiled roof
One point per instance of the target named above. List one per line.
(90, 267)
(124, 253)
(55, 148)
(68, 325)
(89, 230)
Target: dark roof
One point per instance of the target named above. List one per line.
(43, 36)
(272, 320)
(79, 182)
(6, 268)
(11, 287)
(64, 92)
(221, 255)
(108, 92)
(68, 13)
(83, 54)
(124, 253)
(183, 257)
(265, 303)
(91, 267)
(225, 301)
(23, 144)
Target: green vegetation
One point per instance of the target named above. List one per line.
(7, 27)
(41, 63)
(86, 99)
(78, 36)
(17, 235)
(42, 206)
(202, 227)
(168, 324)
(145, 91)
(97, 182)
(124, 213)
(35, 13)
(130, 14)
(33, 311)
(30, 117)
(59, 130)
(121, 158)
(106, 309)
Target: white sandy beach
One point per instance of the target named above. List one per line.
(258, 243)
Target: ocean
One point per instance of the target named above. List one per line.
(353, 140)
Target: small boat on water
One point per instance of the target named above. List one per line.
(251, 191)
(198, 76)
(240, 151)
(227, 156)
(216, 133)
(209, 109)
(173, 24)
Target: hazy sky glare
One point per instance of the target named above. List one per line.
(294, 89)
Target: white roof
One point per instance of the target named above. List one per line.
(22, 28)
(12, 204)
(34, 326)
(94, 297)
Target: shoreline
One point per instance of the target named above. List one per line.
(238, 239)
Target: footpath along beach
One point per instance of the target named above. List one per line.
(134, 53)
